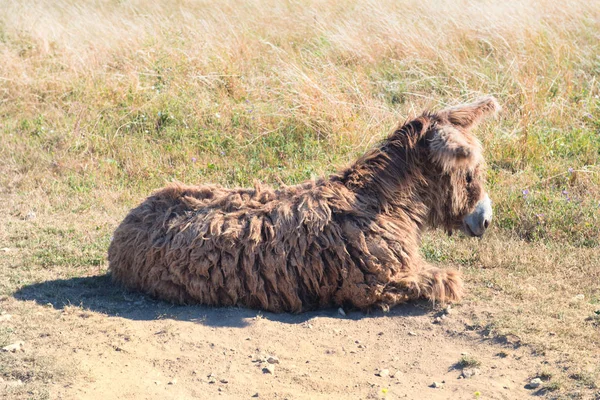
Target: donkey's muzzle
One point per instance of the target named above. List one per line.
(479, 220)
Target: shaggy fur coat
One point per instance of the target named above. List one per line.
(350, 240)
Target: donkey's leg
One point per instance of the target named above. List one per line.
(435, 284)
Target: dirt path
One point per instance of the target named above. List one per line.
(122, 346)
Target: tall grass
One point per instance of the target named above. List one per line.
(123, 96)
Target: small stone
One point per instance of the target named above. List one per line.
(211, 379)
(14, 347)
(448, 310)
(437, 385)
(172, 382)
(273, 360)
(5, 317)
(411, 333)
(341, 312)
(255, 395)
(224, 380)
(30, 216)
(269, 369)
(437, 320)
(157, 382)
(577, 298)
(384, 373)
(5, 249)
(470, 372)
(535, 383)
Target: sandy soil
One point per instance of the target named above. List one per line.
(121, 345)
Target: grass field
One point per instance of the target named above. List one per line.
(102, 102)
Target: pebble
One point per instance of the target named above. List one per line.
(224, 380)
(5, 249)
(172, 382)
(535, 383)
(448, 310)
(255, 395)
(341, 312)
(5, 317)
(577, 298)
(270, 369)
(437, 320)
(273, 360)
(18, 382)
(437, 385)
(411, 333)
(14, 347)
(157, 382)
(384, 373)
(470, 372)
(30, 216)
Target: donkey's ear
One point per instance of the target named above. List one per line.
(451, 148)
(452, 145)
(468, 115)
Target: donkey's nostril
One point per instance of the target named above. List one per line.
(486, 223)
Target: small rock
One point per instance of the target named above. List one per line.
(14, 347)
(437, 320)
(255, 395)
(224, 380)
(448, 310)
(341, 312)
(470, 372)
(269, 369)
(384, 373)
(172, 382)
(273, 360)
(411, 333)
(437, 385)
(211, 379)
(5, 249)
(579, 297)
(5, 317)
(535, 383)
(30, 216)
(157, 382)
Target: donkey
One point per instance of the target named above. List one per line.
(351, 239)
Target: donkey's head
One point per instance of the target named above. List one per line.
(454, 168)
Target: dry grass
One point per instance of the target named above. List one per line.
(103, 101)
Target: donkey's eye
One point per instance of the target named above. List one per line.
(469, 177)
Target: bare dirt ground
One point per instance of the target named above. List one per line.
(120, 345)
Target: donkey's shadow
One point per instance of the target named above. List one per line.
(100, 294)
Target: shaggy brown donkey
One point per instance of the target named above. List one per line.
(351, 239)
